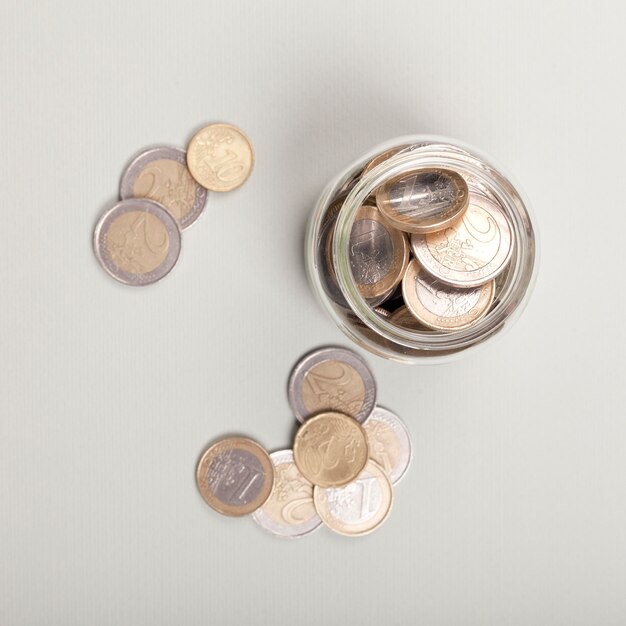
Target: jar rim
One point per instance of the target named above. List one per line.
(421, 152)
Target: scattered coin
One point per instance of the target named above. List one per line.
(161, 174)
(220, 157)
(389, 443)
(339, 472)
(332, 379)
(235, 476)
(330, 449)
(358, 507)
(423, 201)
(471, 251)
(440, 306)
(290, 510)
(137, 242)
(382, 312)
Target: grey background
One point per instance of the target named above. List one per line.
(514, 511)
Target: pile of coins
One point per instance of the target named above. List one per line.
(347, 455)
(163, 191)
(432, 246)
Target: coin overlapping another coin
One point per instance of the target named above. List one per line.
(460, 243)
(163, 191)
(347, 455)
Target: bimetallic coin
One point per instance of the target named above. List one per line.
(471, 251)
(161, 174)
(389, 443)
(220, 157)
(405, 319)
(330, 449)
(440, 306)
(137, 242)
(329, 278)
(423, 201)
(235, 476)
(379, 254)
(332, 379)
(289, 511)
(359, 507)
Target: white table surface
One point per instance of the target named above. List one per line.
(514, 512)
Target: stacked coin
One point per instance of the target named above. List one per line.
(459, 236)
(347, 455)
(163, 191)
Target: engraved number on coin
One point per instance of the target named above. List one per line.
(236, 476)
(366, 485)
(223, 162)
(484, 236)
(329, 390)
(137, 238)
(176, 194)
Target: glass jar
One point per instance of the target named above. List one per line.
(327, 249)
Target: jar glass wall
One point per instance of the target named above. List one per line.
(328, 250)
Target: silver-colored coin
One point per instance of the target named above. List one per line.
(137, 242)
(359, 507)
(389, 443)
(332, 379)
(382, 312)
(289, 511)
(161, 174)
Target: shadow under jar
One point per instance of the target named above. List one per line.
(338, 244)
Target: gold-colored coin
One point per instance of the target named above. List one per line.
(382, 312)
(440, 306)
(330, 449)
(405, 319)
(379, 254)
(381, 158)
(359, 507)
(423, 201)
(220, 157)
(235, 476)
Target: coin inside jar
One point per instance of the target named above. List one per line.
(330, 449)
(235, 476)
(389, 443)
(359, 507)
(161, 174)
(220, 157)
(440, 306)
(381, 158)
(289, 511)
(472, 250)
(405, 319)
(423, 201)
(379, 254)
(332, 379)
(137, 242)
